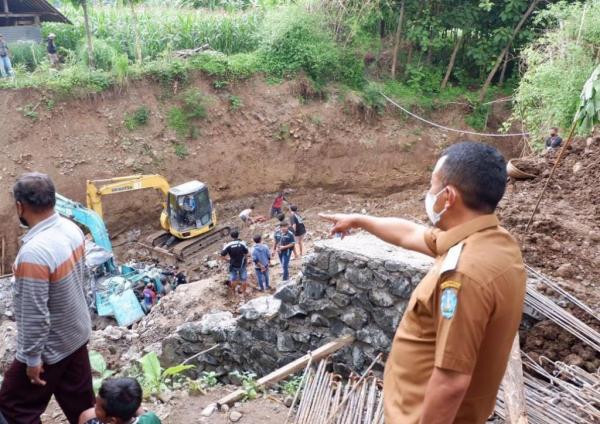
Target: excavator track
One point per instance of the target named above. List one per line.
(163, 242)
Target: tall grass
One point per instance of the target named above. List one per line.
(164, 29)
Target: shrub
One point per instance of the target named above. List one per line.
(194, 103)
(104, 54)
(178, 121)
(138, 118)
(181, 150)
(28, 54)
(166, 71)
(235, 102)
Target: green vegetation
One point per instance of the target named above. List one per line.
(249, 384)
(29, 111)
(291, 386)
(99, 368)
(181, 150)
(425, 55)
(558, 64)
(235, 102)
(137, 119)
(178, 121)
(156, 380)
(209, 379)
(180, 118)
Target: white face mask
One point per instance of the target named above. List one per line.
(430, 200)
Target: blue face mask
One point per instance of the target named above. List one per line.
(430, 200)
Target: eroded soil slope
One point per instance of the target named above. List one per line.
(271, 140)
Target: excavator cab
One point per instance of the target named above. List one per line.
(189, 210)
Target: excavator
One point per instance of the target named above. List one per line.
(88, 219)
(188, 218)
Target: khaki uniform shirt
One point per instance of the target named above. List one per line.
(463, 317)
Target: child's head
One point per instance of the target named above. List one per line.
(281, 217)
(294, 208)
(257, 238)
(118, 400)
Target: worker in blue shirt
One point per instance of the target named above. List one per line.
(261, 256)
(284, 246)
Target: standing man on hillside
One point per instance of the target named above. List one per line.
(238, 261)
(53, 320)
(554, 141)
(5, 65)
(278, 204)
(52, 51)
(284, 246)
(451, 348)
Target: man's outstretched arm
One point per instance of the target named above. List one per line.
(397, 231)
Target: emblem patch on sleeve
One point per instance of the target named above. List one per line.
(449, 299)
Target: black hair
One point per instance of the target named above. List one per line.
(257, 238)
(251, 206)
(122, 397)
(281, 217)
(478, 171)
(284, 224)
(235, 234)
(35, 190)
(294, 208)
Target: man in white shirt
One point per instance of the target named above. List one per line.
(246, 215)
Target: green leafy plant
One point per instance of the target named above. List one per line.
(249, 384)
(219, 84)
(138, 118)
(194, 103)
(155, 379)
(291, 386)
(181, 150)
(99, 368)
(209, 379)
(235, 102)
(283, 132)
(178, 121)
(29, 111)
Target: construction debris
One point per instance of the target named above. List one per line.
(290, 368)
(326, 399)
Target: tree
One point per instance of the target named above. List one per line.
(397, 39)
(88, 33)
(457, 44)
(504, 51)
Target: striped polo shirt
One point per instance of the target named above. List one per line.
(51, 311)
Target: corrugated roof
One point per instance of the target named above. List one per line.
(48, 13)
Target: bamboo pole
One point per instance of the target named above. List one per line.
(291, 368)
(514, 387)
(2, 263)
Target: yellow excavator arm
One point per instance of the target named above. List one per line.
(97, 188)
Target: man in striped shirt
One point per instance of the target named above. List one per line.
(53, 320)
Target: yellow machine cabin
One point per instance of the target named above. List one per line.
(187, 214)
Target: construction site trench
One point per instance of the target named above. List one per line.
(328, 157)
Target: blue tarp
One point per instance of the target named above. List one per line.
(126, 307)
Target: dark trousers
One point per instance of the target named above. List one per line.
(69, 380)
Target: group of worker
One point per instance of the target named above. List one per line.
(287, 242)
(6, 69)
(446, 360)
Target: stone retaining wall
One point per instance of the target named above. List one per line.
(357, 286)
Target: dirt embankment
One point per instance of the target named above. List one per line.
(274, 140)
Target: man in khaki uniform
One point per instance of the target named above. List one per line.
(450, 351)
